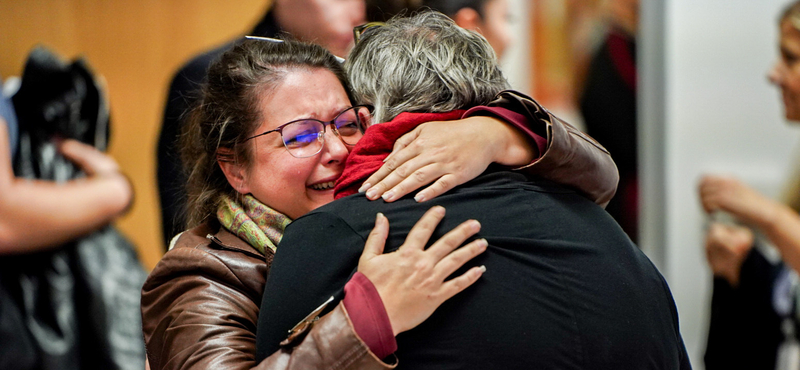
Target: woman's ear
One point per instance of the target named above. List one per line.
(468, 19)
(235, 172)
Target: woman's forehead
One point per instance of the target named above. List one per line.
(305, 93)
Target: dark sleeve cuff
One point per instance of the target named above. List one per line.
(520, 121)
(368, 315)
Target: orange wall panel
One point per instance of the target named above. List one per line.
(136, 45)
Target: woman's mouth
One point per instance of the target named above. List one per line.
(323, 185)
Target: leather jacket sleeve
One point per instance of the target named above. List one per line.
(572, 158)
(200, 307)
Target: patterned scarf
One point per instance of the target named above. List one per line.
(254, 222)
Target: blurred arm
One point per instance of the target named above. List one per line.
(36, 215)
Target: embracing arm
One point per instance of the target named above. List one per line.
(36, 214)
(571, 158)
(199, 313)
(514, 131)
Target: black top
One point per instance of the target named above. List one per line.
(564, 287)
(183, 92)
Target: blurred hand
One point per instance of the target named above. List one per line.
(98, 165)
(410, 280)
(727, 247)
(731, 195)
(88, 158)
(447, 154)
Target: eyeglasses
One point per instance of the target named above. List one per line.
(359, 30)
(304, 138)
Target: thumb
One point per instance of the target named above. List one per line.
(376, 239)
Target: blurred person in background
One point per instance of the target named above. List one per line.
(490, 18)
(608, 105)
(754, 317)
(38, 217)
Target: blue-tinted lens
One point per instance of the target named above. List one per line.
(302, 138)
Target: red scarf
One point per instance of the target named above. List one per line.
(368, 155)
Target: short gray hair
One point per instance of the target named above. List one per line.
(423, 64)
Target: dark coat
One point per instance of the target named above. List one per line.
(565, 288)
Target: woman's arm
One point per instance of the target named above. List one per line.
(514, 131)
(36, 215)
(200, 312)
(779, 223)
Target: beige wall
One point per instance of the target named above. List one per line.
(136, 45)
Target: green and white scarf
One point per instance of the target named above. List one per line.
(260, 226)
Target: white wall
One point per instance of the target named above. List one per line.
(706, 106)
(516, 62)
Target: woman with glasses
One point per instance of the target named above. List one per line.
(265, 145)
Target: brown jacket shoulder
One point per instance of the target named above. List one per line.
(200, 311)
(572, 158)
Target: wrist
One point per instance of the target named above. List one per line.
(122, 189)
(516, 148)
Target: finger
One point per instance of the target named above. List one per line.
(376, 239)
(421, 232)
(393, 172)
(88, 158)
(439, 187)
(458, 284)
(421, 176)
(453, 239)
(404, 141)
(391, 162)
(455, 260)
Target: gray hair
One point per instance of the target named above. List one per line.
(423, 64)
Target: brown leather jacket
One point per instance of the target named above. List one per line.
(200, 304)
(572, 158)
(200, 310)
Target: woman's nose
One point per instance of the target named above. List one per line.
(334, 148)
(775, 74)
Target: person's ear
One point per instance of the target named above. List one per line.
(468, 18)
(235, 172)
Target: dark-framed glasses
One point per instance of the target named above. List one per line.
(360, 30)
(305, 137)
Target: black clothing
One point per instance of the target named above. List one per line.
(564, 287)
(608, 107)
(183, 92)
(745, 330)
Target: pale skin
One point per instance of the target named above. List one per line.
(779, 223)
(37, 215)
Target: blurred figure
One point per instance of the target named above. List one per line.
(328, 23)
(44, 256)
(490, 18)
(608, 106)
(61, 212)
(753, 310)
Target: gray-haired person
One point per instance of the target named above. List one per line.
(564, 287)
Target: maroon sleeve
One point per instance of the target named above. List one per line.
(520, 121)
(368, 315)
